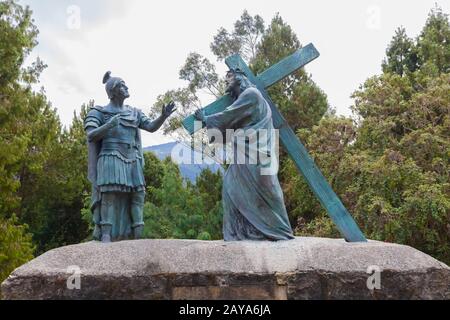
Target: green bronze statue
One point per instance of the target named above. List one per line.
(252, 199)
(115, 166)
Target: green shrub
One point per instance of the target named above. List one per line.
(16, 247)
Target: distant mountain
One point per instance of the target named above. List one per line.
(188, 171)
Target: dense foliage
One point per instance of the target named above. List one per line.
(15, 246)
(179, 209)
(42, 165)
(390, 164)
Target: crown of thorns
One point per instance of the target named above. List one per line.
(236, 71)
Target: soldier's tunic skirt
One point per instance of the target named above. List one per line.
(119, 174)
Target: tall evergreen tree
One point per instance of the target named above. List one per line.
(298, 98)
(401, 54)
(433, 42)
(19, 108)
(19, 105)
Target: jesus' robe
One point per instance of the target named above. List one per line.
(252, 198)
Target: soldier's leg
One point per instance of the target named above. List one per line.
(107, 212)
(96, 216)
(137, 213)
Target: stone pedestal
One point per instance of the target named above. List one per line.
(304, 268)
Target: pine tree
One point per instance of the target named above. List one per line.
(401, 54)
(19, 106)
(16, 247)
(433, 42)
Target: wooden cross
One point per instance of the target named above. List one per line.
(291, 143)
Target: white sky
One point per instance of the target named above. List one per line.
(147, 42)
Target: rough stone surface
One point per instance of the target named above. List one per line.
(303, 268)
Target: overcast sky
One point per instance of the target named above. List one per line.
(146, 43)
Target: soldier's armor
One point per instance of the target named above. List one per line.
(122, 138)
(119, 167)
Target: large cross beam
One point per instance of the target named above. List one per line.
(304, 163)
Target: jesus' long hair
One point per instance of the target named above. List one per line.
(242, 79)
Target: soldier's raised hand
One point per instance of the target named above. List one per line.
(168, 109)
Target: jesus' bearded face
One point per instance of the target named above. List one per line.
(232, 83)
